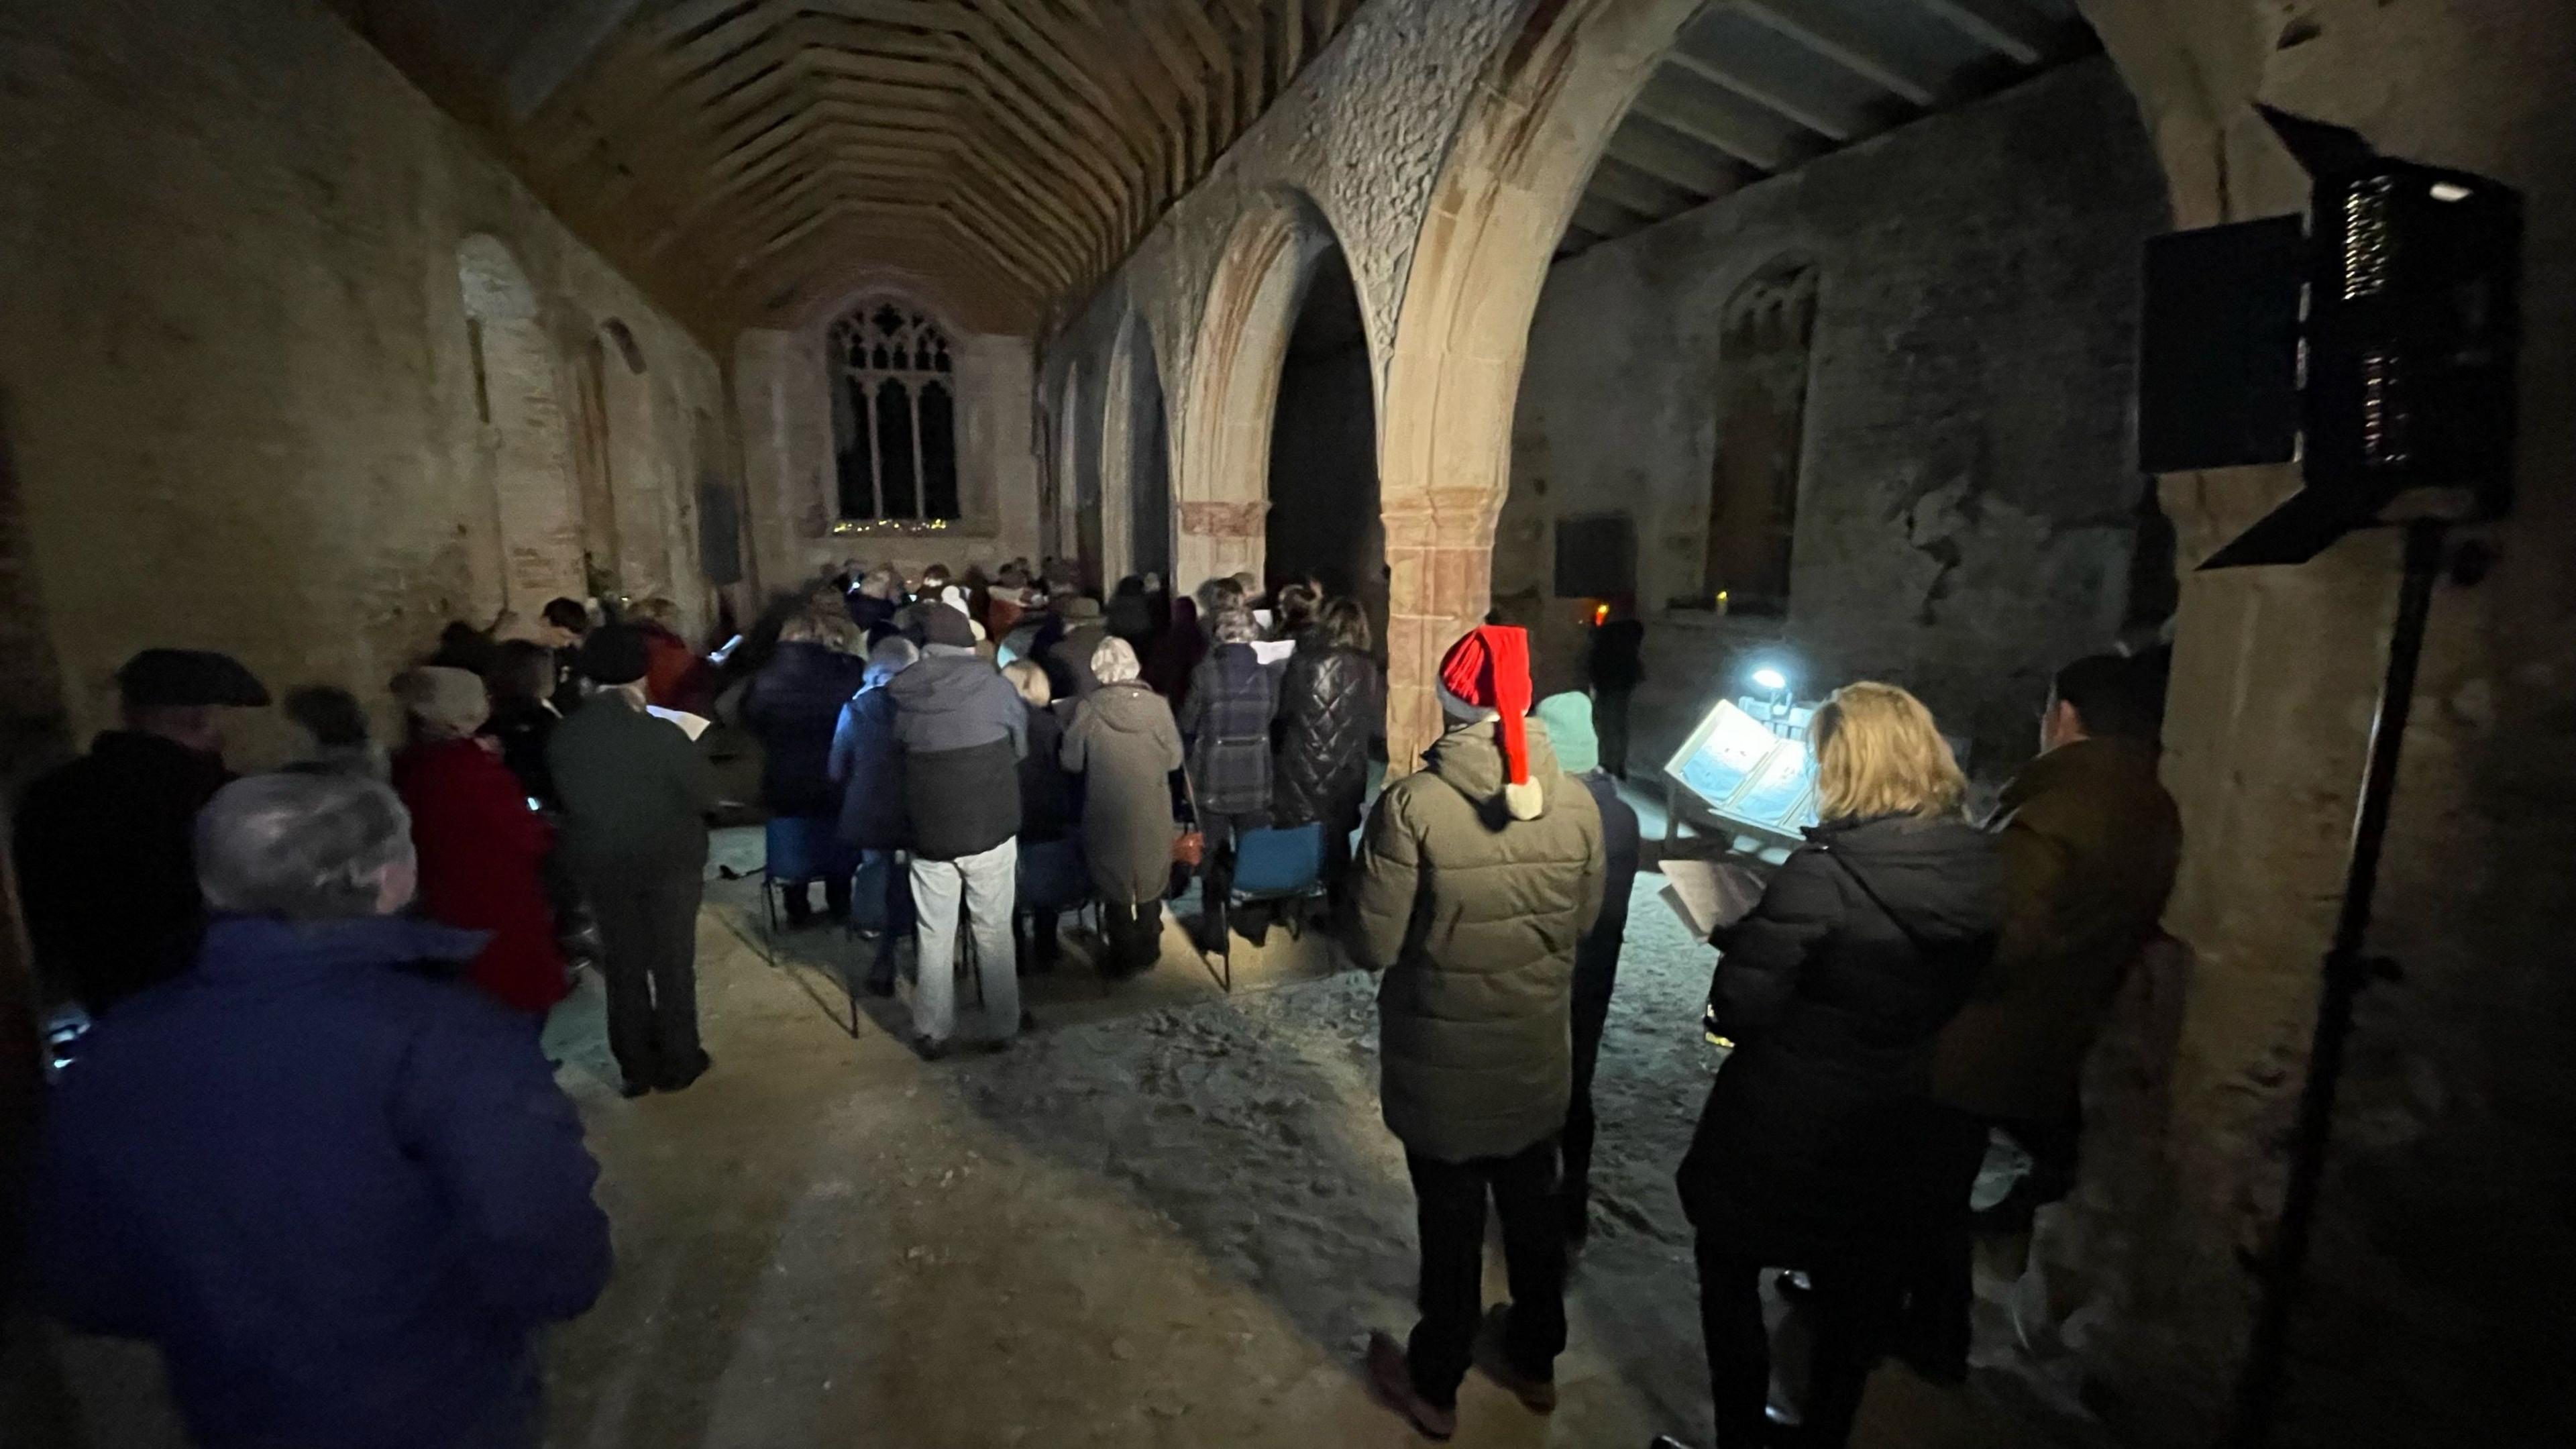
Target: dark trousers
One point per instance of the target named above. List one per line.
(1593, 982)
(1938, 1325)
(800, 899)
(1854, 1306)
(1451, 1201)
(899, 916)
(1135, 935)
(648, 920)
(1610, 724)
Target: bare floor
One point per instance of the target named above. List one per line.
(1169, 1217)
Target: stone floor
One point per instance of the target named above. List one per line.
(1170, 1217)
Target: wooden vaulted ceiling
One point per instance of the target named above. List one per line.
(1752, 88)
(747, 160)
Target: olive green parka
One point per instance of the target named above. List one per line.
(1472, 909)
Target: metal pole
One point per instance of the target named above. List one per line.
(2347, 970)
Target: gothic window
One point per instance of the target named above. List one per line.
(894, 415)
(1763, 353)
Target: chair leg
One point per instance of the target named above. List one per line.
(769, 920)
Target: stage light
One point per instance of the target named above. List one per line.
(1767, 677)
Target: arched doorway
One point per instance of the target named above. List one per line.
(1324, 518)
(1136, 459)
(1225, 432)
(535, 524)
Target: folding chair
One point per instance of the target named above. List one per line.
(1053, 879)
(1272, 866)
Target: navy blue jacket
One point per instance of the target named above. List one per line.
(793, 704)
(338, 1193)
(1596, 956)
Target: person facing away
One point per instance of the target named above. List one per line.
(561, 626)
(873, 602)
(103, 844)
(1125, 747)
(1568, 718)
(1050, 864)
(793, 706)
(1615, 664)
(1329, 706)
(671, 666)
(962, 730)
(2089, 842)
(339, 1191)
(1476, 878)
(1068, 660)
(481, 847)
(336, 724)
(867, 767)
(522, 688)
(636, 795)
(1809, 1153)
(1225, 722)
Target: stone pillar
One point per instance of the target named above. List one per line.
(1219, 538)
(1440, 561)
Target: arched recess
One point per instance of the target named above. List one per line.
(1325, 520)
(535, 521)
(1234, 384)
(1135, 459)
(638, 491)
(1055, 503)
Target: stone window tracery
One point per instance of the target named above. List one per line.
(894, 415)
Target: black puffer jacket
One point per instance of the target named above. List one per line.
(1328, 708)
(1835, 990)
(793, 704)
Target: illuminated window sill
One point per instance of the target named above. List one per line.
(899, 527)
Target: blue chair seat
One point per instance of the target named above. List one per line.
(1053, 875)
(1279, 862)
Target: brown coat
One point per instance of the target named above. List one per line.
(2089, 842)
(1474, 917)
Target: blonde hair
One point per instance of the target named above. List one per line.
(834, 631)
(655, 610)
(1878, 753)
(1030, 681)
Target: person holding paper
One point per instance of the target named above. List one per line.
(1835, 989)
(636, 795)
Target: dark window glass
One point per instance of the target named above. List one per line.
(858, 466)
(938, 452)
(894, 450)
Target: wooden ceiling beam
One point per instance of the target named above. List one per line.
(1997, 25)
(1639, 192)
(1835, 123)
(1672, 108)
(1677, 159)
(1827, 34)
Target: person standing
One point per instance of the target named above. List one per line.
(1050, 864)
(522, 690)
(1226, 724)
(1125, 747)
(1616, 665)
(1568, 718)
(867, 767)
(793, 706)
(962, 729)
(1835, 988)
(1329, 706)
(481, 847)
(103, 847)
(340, 1193)
(1477, 876)
(1068, 660)
(636, 796)
(2089, 842)
(671, 671)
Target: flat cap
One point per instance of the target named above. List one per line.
(615, 654)
(188, 679)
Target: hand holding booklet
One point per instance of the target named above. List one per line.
(1710, 895)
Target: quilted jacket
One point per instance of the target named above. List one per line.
(1328, 708)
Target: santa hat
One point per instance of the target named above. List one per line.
(1486, 676)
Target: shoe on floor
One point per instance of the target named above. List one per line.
(881, 979)
(679, 1081)
(931, 1051)
(1536, 1395)
(1391, 1380)
(631, 1090)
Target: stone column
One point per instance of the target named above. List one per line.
(1440, 560)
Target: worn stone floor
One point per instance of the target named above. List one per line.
(1168, 1219)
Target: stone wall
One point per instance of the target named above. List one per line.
(1966, 516)
(784, 390)
(242, 387)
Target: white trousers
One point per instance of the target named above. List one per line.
(988, 885)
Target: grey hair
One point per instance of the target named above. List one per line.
(301, 846)
(1114, 662)
(1235, 626)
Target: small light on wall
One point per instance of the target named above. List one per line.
(2449, 191)
(1769, 678)
(1600, 615)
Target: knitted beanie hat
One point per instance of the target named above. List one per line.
(1486, 675)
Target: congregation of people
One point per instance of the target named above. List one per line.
(327, 983)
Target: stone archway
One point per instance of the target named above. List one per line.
(536, 518)
(1135, 458)
(1543, 112)
(1224, 443)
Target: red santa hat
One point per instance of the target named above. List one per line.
(1485, 675)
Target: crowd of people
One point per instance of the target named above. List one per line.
(325, 983)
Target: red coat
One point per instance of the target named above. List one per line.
(670, 670)
(482, 861)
